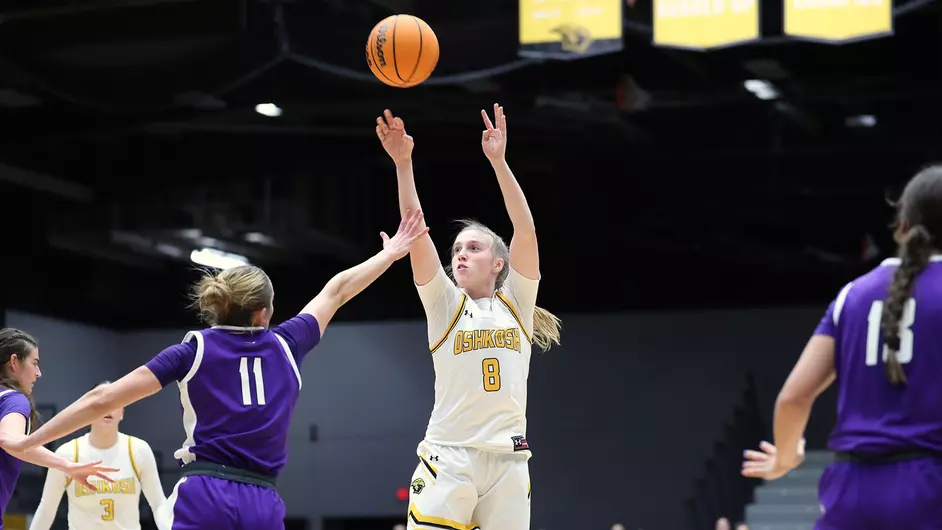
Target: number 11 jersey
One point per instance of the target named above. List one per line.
(873, 416)
(238, 389)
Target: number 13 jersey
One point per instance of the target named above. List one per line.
(481, 353)
(873, 416)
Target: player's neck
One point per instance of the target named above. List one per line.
(103, 439)
(479, 294)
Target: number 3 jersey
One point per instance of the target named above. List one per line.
(238, 389)
(873, 416)
(481, 353)
(115, 506)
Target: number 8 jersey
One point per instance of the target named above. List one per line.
(481, 353)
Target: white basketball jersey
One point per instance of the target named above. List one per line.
(481, 353)
(116, 505)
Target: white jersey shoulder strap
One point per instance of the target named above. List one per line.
(199, 353)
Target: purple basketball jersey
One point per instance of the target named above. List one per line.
(873, 416)
(238, 389)
(11, 402)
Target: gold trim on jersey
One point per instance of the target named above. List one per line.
(427, 474)
(74, 459)
(137, 472)
(438, 522)
(430, 467)
(454, 322)
(513, 311)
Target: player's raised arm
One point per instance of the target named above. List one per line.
(349, 283)
(97, 402)
(398, 145)
(524, 251)
(15, 443)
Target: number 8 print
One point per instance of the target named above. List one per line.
(491, 369)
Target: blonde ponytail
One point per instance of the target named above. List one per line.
(231, 297)
(546, 327)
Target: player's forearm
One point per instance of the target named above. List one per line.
(790, 420)
(408, 195)
(156, 500)
(46, 512)
(41, 456)
(93, 405)
(53, 489)
(150, 482)
(43, 517)
(349, 283)
(514, 200)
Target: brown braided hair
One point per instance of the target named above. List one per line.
(919, 219)
(19, 343)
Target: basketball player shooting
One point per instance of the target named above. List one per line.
(473, 470)
(239, 382)
(881, 341)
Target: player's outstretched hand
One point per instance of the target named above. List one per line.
(494, 139)
(410, 229)
(391, 131)
(82, 472)
(764, 463)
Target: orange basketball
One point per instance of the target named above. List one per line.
(402, 51)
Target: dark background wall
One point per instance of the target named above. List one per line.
(621, 418)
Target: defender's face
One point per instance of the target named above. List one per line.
(110, 420)
(26, 370)
(472, 261)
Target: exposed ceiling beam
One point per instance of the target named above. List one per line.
(94, 247)
(45, 183)
(72, 9)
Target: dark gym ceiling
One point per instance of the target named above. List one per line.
(657, 181)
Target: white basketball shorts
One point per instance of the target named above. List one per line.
(461, 488)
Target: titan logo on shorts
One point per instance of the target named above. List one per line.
(417, 486)
(520, 443)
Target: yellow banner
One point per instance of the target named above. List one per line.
(838, 20)
(570, 28)
(703, 24)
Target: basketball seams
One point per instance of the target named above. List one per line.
(418, 59)
(395, 59)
